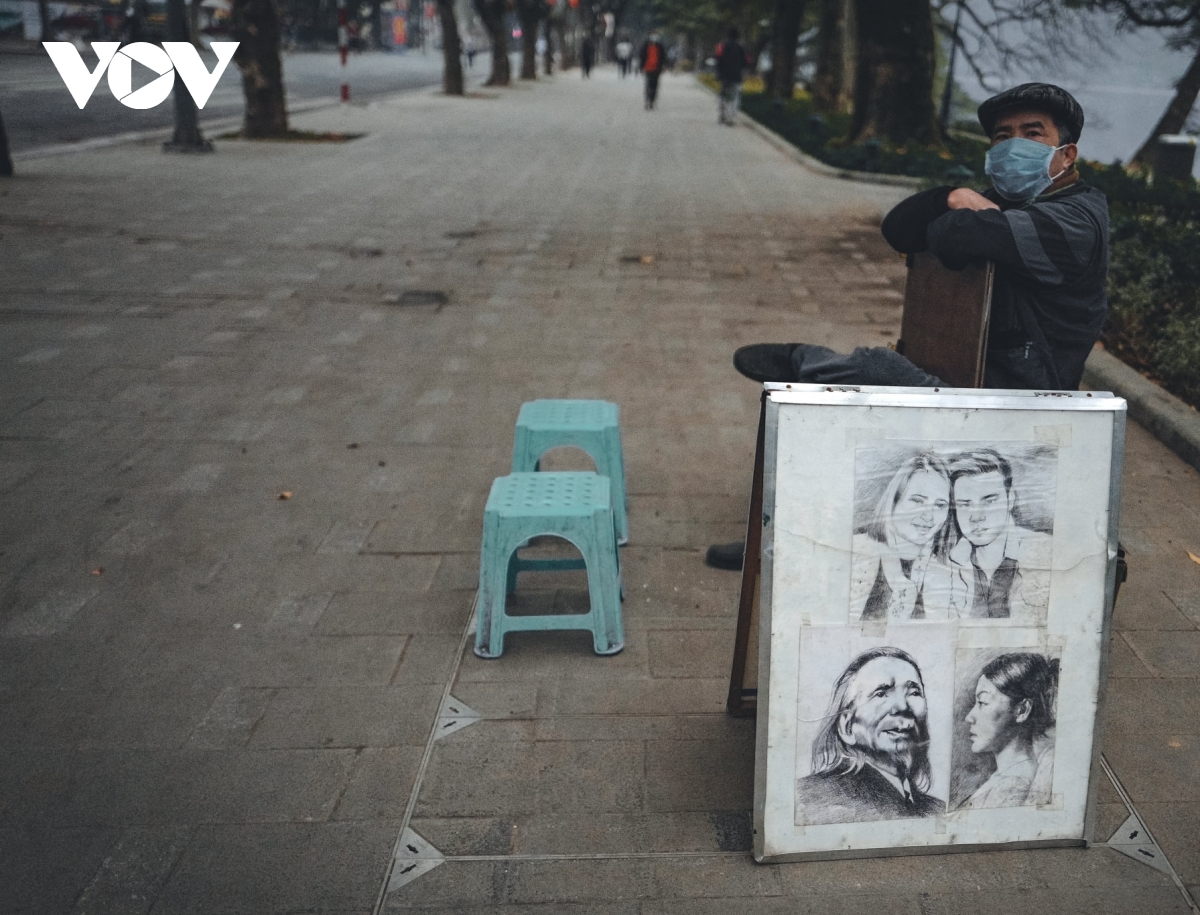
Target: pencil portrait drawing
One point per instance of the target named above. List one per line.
(870, 757)
(952, 532)
(1004, 742)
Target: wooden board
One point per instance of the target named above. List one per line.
(945, 322)
(742, 701)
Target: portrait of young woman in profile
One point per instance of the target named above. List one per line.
(1011, 720)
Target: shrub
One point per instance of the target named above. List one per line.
(1154, 276)
(824, 137)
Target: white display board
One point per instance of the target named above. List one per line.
(937, 581)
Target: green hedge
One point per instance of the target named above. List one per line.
(1154, 269)
(1154, 277)
(961, 161)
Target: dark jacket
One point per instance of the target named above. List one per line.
(1049, 298)
(858, 797)
(731, 62)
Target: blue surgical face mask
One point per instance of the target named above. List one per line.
(1020, 168)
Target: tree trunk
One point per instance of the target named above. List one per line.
(415, 20)
(193, 20)
(255, 23)
(617, 8)
(312, 22)
(528, 15)
(376, 20)
(785, 32)
(452, 74)
(566, 41)
(187, 136)
(893, 91)
(6, 165)
(548, 58)
(44, 20)
(1175, 118)
(492, 14)
(833, 85)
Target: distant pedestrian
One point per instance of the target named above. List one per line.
(731, 70)
(135, 22)
(624, 57)
(587, 56)
(469, 51)
(651, 60)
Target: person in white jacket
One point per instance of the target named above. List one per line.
(900, 563)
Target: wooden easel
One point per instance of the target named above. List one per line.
(742, 701)
(944, 331)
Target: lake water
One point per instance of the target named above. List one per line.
(1124, 89)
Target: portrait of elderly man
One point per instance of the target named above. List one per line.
(870, 758)
(1000, 570)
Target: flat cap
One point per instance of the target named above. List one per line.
(1042, 96)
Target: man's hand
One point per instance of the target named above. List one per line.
(963, 198)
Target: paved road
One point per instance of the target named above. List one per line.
(217, 700)
(38, 111)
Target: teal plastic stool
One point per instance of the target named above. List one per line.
(574, 506)
(590, 425)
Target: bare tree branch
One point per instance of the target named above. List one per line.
(997, 37)
(1156, 15)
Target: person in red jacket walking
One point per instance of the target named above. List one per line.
(652, 59)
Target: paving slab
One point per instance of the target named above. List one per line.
(248, 421)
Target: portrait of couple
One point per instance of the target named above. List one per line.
(946, 532)
(873, 752)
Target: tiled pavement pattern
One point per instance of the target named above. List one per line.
(214, 699)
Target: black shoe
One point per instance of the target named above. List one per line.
(726, 556)
(767, 361)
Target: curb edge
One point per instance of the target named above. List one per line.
(1164, 415)
(814, 164)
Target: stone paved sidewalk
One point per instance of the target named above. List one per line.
(214, 699)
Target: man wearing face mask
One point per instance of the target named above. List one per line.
(1043, 227)
(1040, 224)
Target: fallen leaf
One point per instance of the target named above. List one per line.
(1193, 557)
(99, 570)
(647, 258)
(286, 494)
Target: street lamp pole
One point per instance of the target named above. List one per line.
(343, 47)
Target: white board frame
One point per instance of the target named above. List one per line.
(1076, 626)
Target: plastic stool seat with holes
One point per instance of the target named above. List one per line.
(574, 506)
(589, 425)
